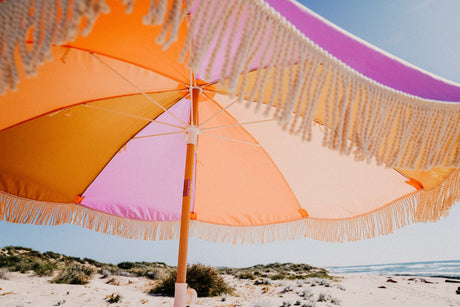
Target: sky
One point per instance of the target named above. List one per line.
(422, 32)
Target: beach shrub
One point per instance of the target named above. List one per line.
(205, 280)
(154, 275)
(125, 265)
(147, 272)
(8, 261)
(264, 282)
(324, 283)
(335, 301)
(151, 270)
(75, 275)
(286, 290)
(52, 255)
(166, 286)
(70, 259)
(113, 281)
(306, 294)
(113, 298)
(17, 261)
(22, 267)
(13, 249)
(278, 271)
(320, 274)
(44, 268)
(35, 254)
(278, 276)
(228, 271)
(247, 275)
(92, 262)
(275, 265)
(324, 297)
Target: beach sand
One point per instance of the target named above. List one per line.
(346, 290)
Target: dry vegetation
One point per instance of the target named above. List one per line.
(277, 271)
(73, 270)
(205, 280)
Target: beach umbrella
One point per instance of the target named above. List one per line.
(284, 125)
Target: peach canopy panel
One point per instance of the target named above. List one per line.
(303, 130)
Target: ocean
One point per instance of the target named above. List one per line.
(450, 269)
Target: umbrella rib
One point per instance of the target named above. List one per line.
(134, 116)
(138, 89)
(239, 124)
(207, 84)
(214, 91)
(220, 111)
(120, 59)
(192, 77)
(153, 135)
(230, 139)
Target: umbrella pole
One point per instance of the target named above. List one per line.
(191, 136)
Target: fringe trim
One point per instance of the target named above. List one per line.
(420, 206)
(15, 209)
(363, 117)
(49, 22)
(437, 202)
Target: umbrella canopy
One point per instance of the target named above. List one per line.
(96, 139)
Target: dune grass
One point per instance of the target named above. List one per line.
(73, 270)
(205, 280)
(277, 271)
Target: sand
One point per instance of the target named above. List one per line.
(347, 290)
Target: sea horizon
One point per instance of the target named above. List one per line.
(438, 268)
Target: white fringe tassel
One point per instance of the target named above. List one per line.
(44, 23)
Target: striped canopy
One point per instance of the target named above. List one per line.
(303, 129)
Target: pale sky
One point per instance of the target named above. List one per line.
(422, 32)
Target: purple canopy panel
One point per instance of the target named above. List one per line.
(365, 58)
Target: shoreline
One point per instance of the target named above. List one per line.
(349, 289)
(455, 277)
(430, 276)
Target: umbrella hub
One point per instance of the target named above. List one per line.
(191, 134)
(195, 87)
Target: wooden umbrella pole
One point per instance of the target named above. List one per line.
(181, 285)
